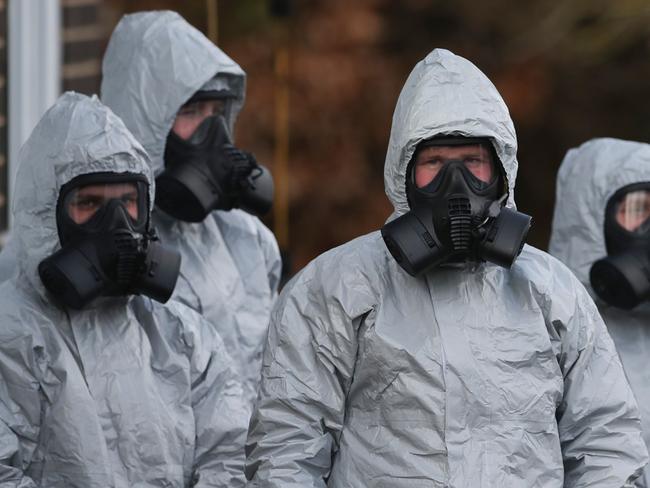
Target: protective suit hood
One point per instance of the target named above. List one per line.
(76, 136)
(587, 179)
(179, 60)
(446, 94)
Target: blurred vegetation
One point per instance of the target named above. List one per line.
(569, 71)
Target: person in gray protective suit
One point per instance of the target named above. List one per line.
(600, 231)
(180, 96)
(100, 386)
(423, 356)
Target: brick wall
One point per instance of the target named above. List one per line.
(84, 40)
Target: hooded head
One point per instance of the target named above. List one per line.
(588, 177)
(446, 95)
(154, 63)
(76, 136)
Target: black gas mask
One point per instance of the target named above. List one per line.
(455, 189)
(622, 279)
(107, 245)
(206, 172)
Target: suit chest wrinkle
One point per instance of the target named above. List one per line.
(400, 338)
(207, 265)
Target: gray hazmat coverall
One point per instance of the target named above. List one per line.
(230, 270)
(126, 392)
(588, 177)
(467, 377)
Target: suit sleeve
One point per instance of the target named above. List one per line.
(598, 419)
(306, 374)
(272, 257)
(220, 412)
(20, 410)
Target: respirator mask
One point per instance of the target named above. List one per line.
(107, 246)
(622, 279)
(456, 192)
(205, 172)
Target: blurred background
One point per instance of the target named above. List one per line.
(324, 76)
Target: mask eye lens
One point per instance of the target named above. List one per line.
(478, 160)
(190, 115)
(427, 166)
(430, 160)
(633, 211)
(82, 203)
